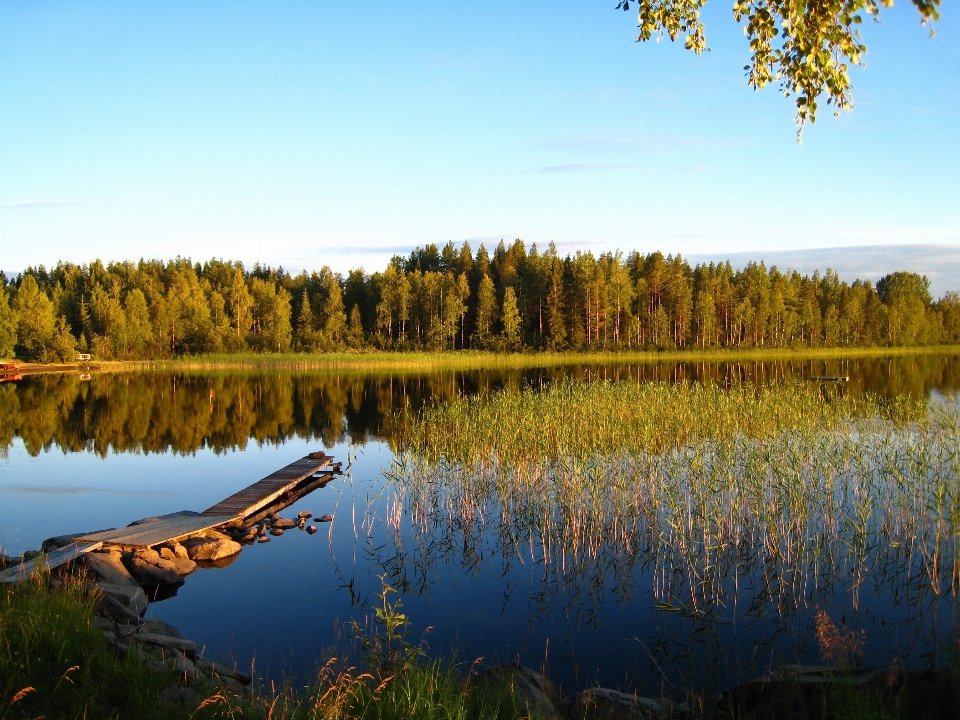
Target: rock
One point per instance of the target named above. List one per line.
(181, 697)
(311, 529)
(263, 539)
(304, 514)
(597, 703)
(535, 694)
(154, 573)
(283, 524)
(218, 669)
(122, 601)
(184, 566)
(178, 551)
(101, 623)
(232, 686)
(323, 518)
(245, 534)
(211, 548)
(113, 608)
(168, 642)
(126, 631)
(106, 626)
(276, 532)
(6, 561)
(159, 627)
(30, 555)
(107, 567)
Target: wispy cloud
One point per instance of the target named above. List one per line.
(40, 203)
(73, 490)
(579, 167)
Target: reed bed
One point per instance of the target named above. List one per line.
(773, 497)
(422, 361)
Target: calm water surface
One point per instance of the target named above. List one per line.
(87, 455)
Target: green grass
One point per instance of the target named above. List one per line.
(54, 663)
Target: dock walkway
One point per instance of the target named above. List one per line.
(264, 492)
(233, 510)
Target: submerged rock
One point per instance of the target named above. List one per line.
(323, 518)
(276, 532)
(283, 524)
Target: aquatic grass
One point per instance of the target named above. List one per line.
(777, 495)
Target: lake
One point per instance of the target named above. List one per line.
(83, 455)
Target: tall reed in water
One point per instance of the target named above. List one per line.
(698, 486)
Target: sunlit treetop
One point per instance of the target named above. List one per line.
(806, 45)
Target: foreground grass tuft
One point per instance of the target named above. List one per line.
(55, 663)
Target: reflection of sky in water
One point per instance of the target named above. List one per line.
(279, 602)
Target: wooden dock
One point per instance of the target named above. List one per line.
(251, 499)
(161, 530)
(50, 561)
(246, 507)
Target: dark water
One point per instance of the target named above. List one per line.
(86, 455)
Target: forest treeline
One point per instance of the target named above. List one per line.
(453, 298)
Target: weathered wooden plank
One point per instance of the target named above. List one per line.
(50, 560)
(248, 501)
(159, 531)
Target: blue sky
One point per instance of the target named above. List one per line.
(322, 133)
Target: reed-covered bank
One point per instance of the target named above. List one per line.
(415, 362)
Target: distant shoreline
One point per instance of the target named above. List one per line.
(470, 359)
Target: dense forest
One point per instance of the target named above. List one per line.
(452, 298)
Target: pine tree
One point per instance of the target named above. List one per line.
(305, 335)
